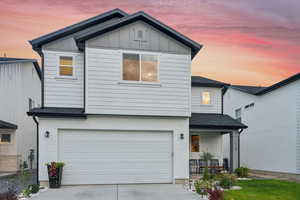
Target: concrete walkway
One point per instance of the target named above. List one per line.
(119, 192)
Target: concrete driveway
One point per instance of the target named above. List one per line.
(119, 192)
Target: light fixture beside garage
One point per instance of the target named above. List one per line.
(47, 134)
(181, 136)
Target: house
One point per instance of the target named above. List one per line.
(20, 88)
(272, 141)
(116, 101)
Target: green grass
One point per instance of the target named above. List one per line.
(265, 190)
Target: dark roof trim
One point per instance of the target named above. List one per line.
(279, 84)
(57, 112)
(7, 125)
(38, 42)
(4, 60)
(199, 81)
(216, 127)
(195, 47)
(255, 90)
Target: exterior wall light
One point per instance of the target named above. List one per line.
(181, 136)
(47, 134)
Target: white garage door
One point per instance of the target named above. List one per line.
(115, 157)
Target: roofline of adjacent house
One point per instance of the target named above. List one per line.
(38, 42)
(266, 90)
(25, 60)
(8, 125)
(195, 47)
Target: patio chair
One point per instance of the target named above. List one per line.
(193, 166)
(214, 166)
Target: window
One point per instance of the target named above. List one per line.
(195, 143)
(238, 114)
(140, 67)
(5, 138)
(206, 100)
(66, 66)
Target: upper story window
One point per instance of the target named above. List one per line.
(140, 67)
(206, 98)
(5, 138)
(238, 114)
(66, 66)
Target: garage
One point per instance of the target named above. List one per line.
(115, 157)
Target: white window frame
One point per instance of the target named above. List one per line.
(140, 81)
(235, 113)
(73, 66)
(5, 142)
(210, 96)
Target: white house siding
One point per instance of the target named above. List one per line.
(270, 141)
(107, 94)
(49, 146)
(63, 92)
(216, 100)
(18, 83)
(298, 126)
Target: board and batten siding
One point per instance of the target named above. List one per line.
(216, 100)
(106, 93)
(58, 91)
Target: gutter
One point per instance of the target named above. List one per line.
(239, 148)
(37, 148)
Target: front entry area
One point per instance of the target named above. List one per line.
(115, 157)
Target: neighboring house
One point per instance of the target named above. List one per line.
(116, 100)
(20, 90)
(272, 141)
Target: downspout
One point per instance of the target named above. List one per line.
(37, 148)
(239, 148)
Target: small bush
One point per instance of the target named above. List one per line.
(242, 172)
(226, 181)
(215, 194)
(34, 188)
(202, 186)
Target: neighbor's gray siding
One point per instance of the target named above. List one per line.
(68, 43)
(62, 92)
(123, 38)
(298, 127)
(107, 94)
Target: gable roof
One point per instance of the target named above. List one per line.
(255, 90)
(5, 60)
(195, 47)
(206, 82)
(38, 42)
(214, 121)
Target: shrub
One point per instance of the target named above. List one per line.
(201, 186)
(215, 194)
(226, 181)
(206, 175)
(242, 172)
(34, 188)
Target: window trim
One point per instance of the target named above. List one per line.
(140, 82)
(73, 66)
(210, 96)
(10, 142)
(235, 113)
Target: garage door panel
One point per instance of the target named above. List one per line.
(110, 157)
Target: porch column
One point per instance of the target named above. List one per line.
(234, 150)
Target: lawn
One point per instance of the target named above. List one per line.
(265, 190)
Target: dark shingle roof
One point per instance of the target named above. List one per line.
(248, 89)
(7, 125)
(255, 90)
(38, 42)
(195, 47)
(5, 60)
(57, 112)
(206, 82)
(214, 121)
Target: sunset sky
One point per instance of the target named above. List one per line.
(253, 42)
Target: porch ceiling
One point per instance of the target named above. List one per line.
(214, 121)
(7, 125)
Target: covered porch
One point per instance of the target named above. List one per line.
(206, 136)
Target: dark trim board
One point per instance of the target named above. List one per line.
(7, 125)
